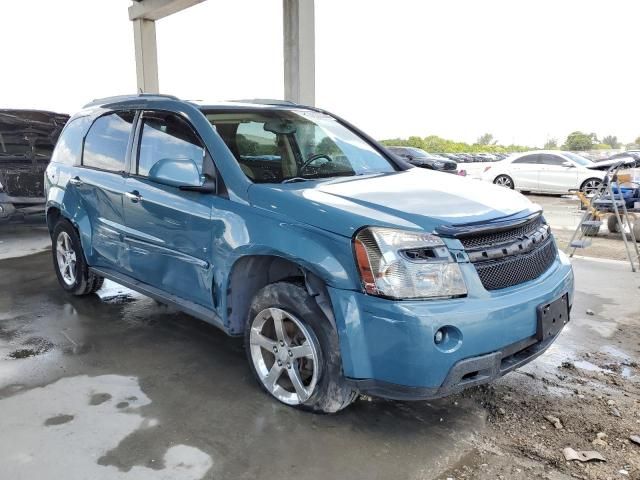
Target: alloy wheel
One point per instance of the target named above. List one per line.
(284, 355)
(503, 181)
(591, 186)
(66, 257)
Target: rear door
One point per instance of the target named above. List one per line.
(557, 175)
(524, 171)
(100, 182)
(168, 229)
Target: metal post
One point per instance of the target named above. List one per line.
(299, 51)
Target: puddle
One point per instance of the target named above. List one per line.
(588, 366)
(112, 292)
(59, 421)
(627, 373)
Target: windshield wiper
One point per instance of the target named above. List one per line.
(294, 180)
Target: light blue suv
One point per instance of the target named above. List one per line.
(345, 269)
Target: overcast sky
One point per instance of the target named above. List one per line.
(522, 70)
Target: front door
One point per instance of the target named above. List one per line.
(168, 229)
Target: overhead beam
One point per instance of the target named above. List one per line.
(157, 9)
(299, 51)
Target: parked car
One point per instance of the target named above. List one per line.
(422, 159)
(345, 269)
(27, 138)
(549, 171)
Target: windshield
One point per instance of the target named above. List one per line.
(278, 145)
(580, 160)
(418, 152)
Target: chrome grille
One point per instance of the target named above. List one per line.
(516, 269)
(505, 236)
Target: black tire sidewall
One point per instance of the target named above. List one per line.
(582, 187)
(331, 393)
(613, 225)
(81, 266)
(510, 187)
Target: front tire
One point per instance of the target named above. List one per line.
(293, 350)
(504, 181)
(590, 186)
(69, 262)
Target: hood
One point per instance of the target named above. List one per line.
(627, 162)
(414, 199)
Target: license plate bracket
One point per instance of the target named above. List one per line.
(552, 317)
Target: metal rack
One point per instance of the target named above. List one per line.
(606, 202)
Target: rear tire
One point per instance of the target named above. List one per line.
(612, 224)
(69, 262)
(504, 181)
(283, 319)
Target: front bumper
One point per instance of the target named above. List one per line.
(388, 347)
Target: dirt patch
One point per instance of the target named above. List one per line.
(58, 420)
(34, 346)
(596, 402)
(99, 398)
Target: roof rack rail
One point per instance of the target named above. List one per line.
(116, 98)
(265, 101)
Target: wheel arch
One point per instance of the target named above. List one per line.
(55, 212)
(250, 273)
(504, 174)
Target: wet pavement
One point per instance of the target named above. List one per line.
(122, 387)
(117, 386)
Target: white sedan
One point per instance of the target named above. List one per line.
(548, 171)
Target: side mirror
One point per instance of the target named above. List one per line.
(408, 157)
(568, 164)
(176, 172)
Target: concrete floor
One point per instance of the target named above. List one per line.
(116, 386)
(121, 387)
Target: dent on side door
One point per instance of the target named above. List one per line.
(101, 196)
(169, 239)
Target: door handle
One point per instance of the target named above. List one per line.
(75, 181)
(134, 196)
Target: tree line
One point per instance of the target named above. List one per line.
(576, 141)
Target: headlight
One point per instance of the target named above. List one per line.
(401, 264)
(438, 164)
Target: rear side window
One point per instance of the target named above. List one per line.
(69, 146)
(105, 146)
(167, 136)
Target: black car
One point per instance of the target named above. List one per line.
(27, 138)
(420, 158)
